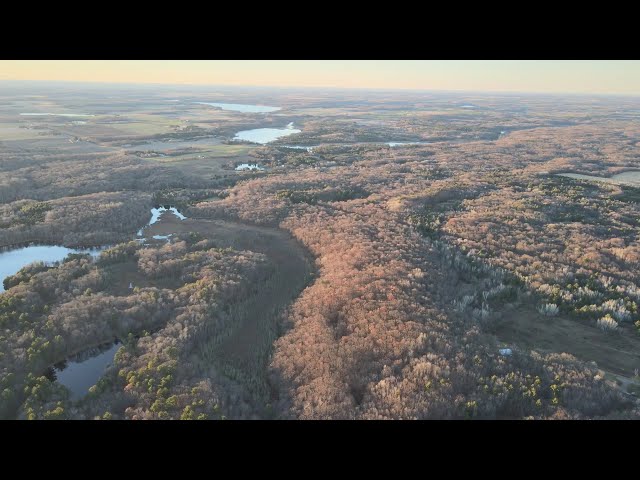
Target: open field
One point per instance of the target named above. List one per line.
(617, 352)
(208, 153)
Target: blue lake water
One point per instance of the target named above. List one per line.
(265, 135)
(157, 212)
(11, 261)
(241, 107)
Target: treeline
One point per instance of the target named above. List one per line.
(95, 219)
(55, 178)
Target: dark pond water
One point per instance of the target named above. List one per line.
(82, 371)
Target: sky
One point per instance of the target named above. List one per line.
(561, 76)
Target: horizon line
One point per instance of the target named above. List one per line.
(320, 87)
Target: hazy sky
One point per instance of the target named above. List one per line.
(580, 76)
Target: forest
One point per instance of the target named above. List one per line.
(380, 273)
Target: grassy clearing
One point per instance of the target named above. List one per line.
(213, 152)
(121, 274)
(618, 353)
(16, 133)
(145, 128)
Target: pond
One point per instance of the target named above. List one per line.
(241, 107)
(248, 166)
(625, 178)
(82, 371)
(157, 212)
(265, 135)
(11, 261)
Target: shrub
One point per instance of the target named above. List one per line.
(607, 323)
(549, 309)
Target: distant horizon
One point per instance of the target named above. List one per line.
(589, 77)
(200, 86)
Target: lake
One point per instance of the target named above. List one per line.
(241, 107)
(82, 371)
(625, 178)
(265, 135)
(11, 261)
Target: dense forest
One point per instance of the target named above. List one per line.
(186, 303)
(350, 280)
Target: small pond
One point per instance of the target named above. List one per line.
(249, 166)
(82, 371)
(157, 212)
